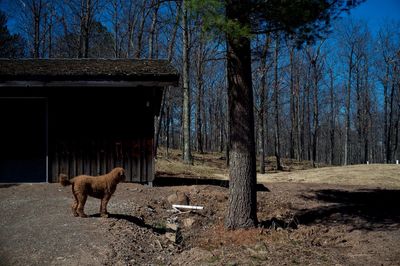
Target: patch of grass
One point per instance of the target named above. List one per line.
(377, 175)
(206, 165)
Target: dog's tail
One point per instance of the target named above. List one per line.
(64, 181)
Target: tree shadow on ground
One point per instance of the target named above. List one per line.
(185, 181)
(134, 220)
(367, 209)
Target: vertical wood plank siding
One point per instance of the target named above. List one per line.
(135, 156)
(95, 134)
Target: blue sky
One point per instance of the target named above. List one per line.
(377, 11)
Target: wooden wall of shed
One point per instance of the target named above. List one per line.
(97, 157)
(97, 129)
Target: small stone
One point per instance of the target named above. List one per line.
(171, 237)
(172, 226)
(178, 198)
(188, 222)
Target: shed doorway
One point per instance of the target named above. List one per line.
(23, 140)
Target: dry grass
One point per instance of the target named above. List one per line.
(377, 175)
(213, 166)
(218, 236)
(207, 165)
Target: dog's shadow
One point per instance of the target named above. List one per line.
(134, 220)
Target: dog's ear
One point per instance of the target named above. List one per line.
(121, 174)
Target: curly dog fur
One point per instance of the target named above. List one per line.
(101, 187)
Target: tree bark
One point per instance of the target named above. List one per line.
(86, 28)
(200, 95)
(292, 107)
(187, 156)
(36, 9)
(153, 28)
(36, 43)
(138, 52)
(263, 107)
(385, 112)
(389, 132)
(242, 206)
(347, 127)
(332, 118)
(299, 118)
(316, 115)
(276, 102)
(132, 20)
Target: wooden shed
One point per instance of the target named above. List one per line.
(79, 116)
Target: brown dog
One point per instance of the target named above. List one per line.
(101, 187)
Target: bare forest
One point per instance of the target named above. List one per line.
(332, 101)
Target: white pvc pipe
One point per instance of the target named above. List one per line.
(187, 207)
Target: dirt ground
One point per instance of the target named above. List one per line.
(300, 223)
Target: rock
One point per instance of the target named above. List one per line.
(171, 237)
(178, 198)
(172, 226)
(188, 222)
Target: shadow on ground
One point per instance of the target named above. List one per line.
(134, 220)
(167, 181)
(8, 185)
(374, 209)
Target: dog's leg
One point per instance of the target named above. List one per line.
(81, 205)
(103, 206)
(74, 207)
(75, 203)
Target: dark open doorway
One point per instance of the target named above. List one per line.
(23, 140)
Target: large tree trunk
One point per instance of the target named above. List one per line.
(132, 20)
(86, 27)
(385, 112)
(242, 206)
(359, 122)
(332, 120)
(263, 107)
(389, 132)
(316, 112)
(81, 29)
(308, 111)
(299, 117)
(276, 101)
(36, 42)
(292, 105)
(138, 52)
(187, 156)
(153, 28)
(200, 96)
(347, 127)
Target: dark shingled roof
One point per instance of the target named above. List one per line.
(87, 69)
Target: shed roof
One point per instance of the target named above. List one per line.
(43, 71)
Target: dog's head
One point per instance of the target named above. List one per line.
(120, 174)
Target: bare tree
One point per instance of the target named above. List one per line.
(187, 156)
(316, 62)
(155, 7)
(32, 16)
(262, 108)
(200, 91)
(277, 105)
